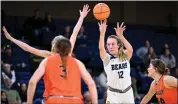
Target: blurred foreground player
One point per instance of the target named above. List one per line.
(62, 77)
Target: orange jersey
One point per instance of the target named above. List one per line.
(57, 85)
(166, 95)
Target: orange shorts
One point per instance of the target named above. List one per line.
(63, 101)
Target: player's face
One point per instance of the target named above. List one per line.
(112, 46)
(151, 70)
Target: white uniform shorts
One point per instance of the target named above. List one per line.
(120, 98)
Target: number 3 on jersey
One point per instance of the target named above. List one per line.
(120, 74)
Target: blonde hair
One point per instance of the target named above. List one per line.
(122, 56)
(53, 49)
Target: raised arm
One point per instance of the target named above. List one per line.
(89, 81)
(34, 80)
(26, 47)
(102, 28)
(149, 95)
(77, 27)
(119, 31)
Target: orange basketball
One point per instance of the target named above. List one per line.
(101, 11)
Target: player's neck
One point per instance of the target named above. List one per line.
(157, 77)
(117, 54)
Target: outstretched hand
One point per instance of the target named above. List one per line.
(85, 11)
(120, 29)
(102, 27)
(8, 36)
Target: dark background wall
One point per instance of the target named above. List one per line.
(132, 12)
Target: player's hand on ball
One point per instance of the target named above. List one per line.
(120, 29)
(6, 33)
(102, 27)
(85, 11)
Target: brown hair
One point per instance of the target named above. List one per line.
(63, 47)
(160, 66)
(121, 56)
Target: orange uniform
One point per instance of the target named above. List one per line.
(55, 85)
(166, 95)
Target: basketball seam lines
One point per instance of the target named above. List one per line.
(101, 12)
(100, 6)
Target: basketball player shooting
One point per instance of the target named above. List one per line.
(116, 65)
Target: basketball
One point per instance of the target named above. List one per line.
(101, 11)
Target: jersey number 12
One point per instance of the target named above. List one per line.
(120, 74)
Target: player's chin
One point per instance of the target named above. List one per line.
(149, 74)
(112, 52)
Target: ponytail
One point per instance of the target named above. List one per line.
(166, 71)
(122, 56)
(62, 47)
(64, 62)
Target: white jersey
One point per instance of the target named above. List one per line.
(118, 73)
